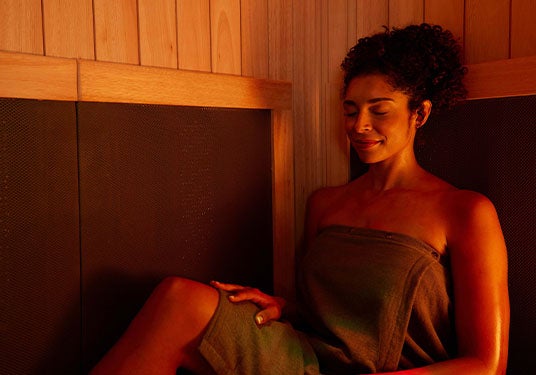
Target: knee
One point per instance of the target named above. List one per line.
(180, 289)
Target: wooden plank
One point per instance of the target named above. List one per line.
(509, 77)
(372, 15)
(351, 20)
(37, 77)
(225, 34)
(337, 151)
(283, 204)
(116, 31)
(487, 25)
(21, 29)
(523, 32)
(158, 33)
(122, 83)
(193, 28)
(254, 29)
(447, 13)
(280, 39)
(68, 28)
(405, 12)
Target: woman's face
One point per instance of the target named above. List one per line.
(378, 121)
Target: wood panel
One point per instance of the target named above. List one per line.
(121, 83)
(337, 151)
(21, 29)
(487, 25)
(283, 203)
(158, 33)
(495, 79)
(405, 12)
(225, 36)
(37, 77)
(523, 32)
(193, 29)
(254, 29)
(116, 31)
(372, 15)
(309, 133)
(280, 39)
(447, 13)
(68, 28)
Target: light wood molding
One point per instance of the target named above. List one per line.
(109, 82)
(37, 77)
(495, 79)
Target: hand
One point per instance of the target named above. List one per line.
(271, 307)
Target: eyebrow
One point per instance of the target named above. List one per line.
(371, 101)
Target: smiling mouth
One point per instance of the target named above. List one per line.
(365, 144)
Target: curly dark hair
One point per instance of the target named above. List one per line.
(423, 61)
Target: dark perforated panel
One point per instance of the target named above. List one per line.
(39, 256)
(168, 191)
(489, 146)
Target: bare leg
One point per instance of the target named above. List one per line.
(166, 332)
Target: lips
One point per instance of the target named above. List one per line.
(365, 144)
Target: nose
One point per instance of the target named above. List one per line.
(360, 123)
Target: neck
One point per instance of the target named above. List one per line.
(402, 174)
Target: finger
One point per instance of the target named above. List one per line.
(251, 294)
(226, 287)
(272, 312)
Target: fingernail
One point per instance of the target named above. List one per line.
(232, 297)
(259, 319)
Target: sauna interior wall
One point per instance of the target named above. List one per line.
(101, 201)
(293, 40)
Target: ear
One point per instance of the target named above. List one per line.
(423, 112)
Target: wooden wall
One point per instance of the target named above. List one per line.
(302, 41)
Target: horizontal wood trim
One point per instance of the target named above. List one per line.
(109, 82)
(37, 77)
(511, 77)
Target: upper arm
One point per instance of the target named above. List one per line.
(479, 273)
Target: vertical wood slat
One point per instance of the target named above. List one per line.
(254, 29)
(337, 152)
(116, 31)
(280, 39)
(225, 36)
(523, 32)
(405, 12)
(158, 33)
(21, 27)
(447, 13)
(372, 15)
(283, 204)
(68, 28)
(309, 134)
(486, 30)
(193, 34)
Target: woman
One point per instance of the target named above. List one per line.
(403, 272)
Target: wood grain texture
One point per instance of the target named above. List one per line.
(21, 28)
(280, 39)
(37, 77)
(225, 36)
(523, 32)
(283, 204)
(447, 13)
(496, 79)
(158, 33)
(193, 29)
(68, 28)
(337, 151)
(121, 83)
(116, 31)
(254, 30)
(487, 25)
(372, 15)
(405, 12)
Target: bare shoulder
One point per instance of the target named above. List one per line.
(318, 203)
(471, 215)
